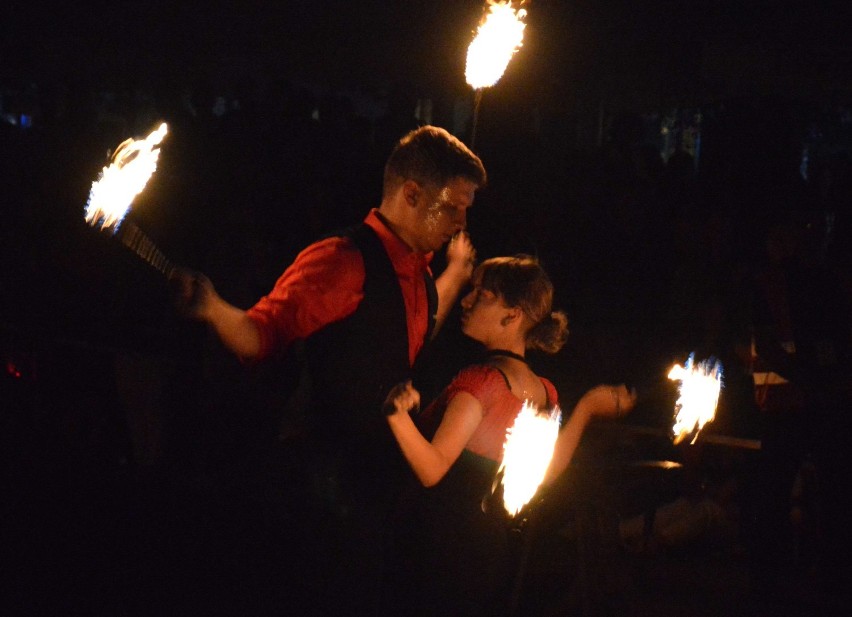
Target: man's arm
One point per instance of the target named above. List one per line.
(198, 299)
(235, 329)
(460, 260)
(323, 285)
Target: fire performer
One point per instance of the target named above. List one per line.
(365, 304)
(454, 552)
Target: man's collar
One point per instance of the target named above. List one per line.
(395, 246)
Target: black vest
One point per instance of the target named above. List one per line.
(353, 363)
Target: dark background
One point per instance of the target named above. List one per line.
(658, 156)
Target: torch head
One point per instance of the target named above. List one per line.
(133, 164)
(498, 38)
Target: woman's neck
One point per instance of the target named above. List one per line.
(505, 353)
(523, 382)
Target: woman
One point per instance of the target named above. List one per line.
(452, 554)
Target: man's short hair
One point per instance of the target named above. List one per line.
(430, 155)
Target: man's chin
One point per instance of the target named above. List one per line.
(430, 247)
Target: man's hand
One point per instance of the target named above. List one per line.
(192, 293)
(195, 298)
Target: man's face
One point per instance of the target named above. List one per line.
(442, 212)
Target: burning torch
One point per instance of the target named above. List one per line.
(700, 385)
(527, 452)
(499, 36)
(132, 165)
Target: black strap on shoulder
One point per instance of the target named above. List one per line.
(505, 377)
(547, 403)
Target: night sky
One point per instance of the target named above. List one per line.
(657, 51)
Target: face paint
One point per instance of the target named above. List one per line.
(442, 212)
(436, 209)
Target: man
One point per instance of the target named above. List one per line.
(365, 304)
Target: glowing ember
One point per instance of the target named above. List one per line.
(700, 384)
(496, 41)
(132, 165)
(526, 454)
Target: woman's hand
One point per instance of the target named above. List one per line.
(608, 401)
(402, 399)
(603, 401)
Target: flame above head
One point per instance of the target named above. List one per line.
(527, 453)
(700, 384)
(497, 39)
(133, 164)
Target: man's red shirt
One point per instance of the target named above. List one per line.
(325, 284)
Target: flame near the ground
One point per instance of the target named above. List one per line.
(527, 454)
(133, 164)
(497, 39)
(700, 384)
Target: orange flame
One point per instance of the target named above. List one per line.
(700, 385)
(133, 164)
(526, 454)
(497, 39)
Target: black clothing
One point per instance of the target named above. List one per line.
(353, 467)
(462, 562)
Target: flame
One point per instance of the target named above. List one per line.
(700, 384)
(526, 454)
(497, 39)
(133, 163)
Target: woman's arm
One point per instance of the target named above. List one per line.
(600, 401)
(431, 460)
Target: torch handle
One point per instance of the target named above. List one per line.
(477, 100)
(138, 241)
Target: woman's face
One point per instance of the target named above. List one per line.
(482, 311)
